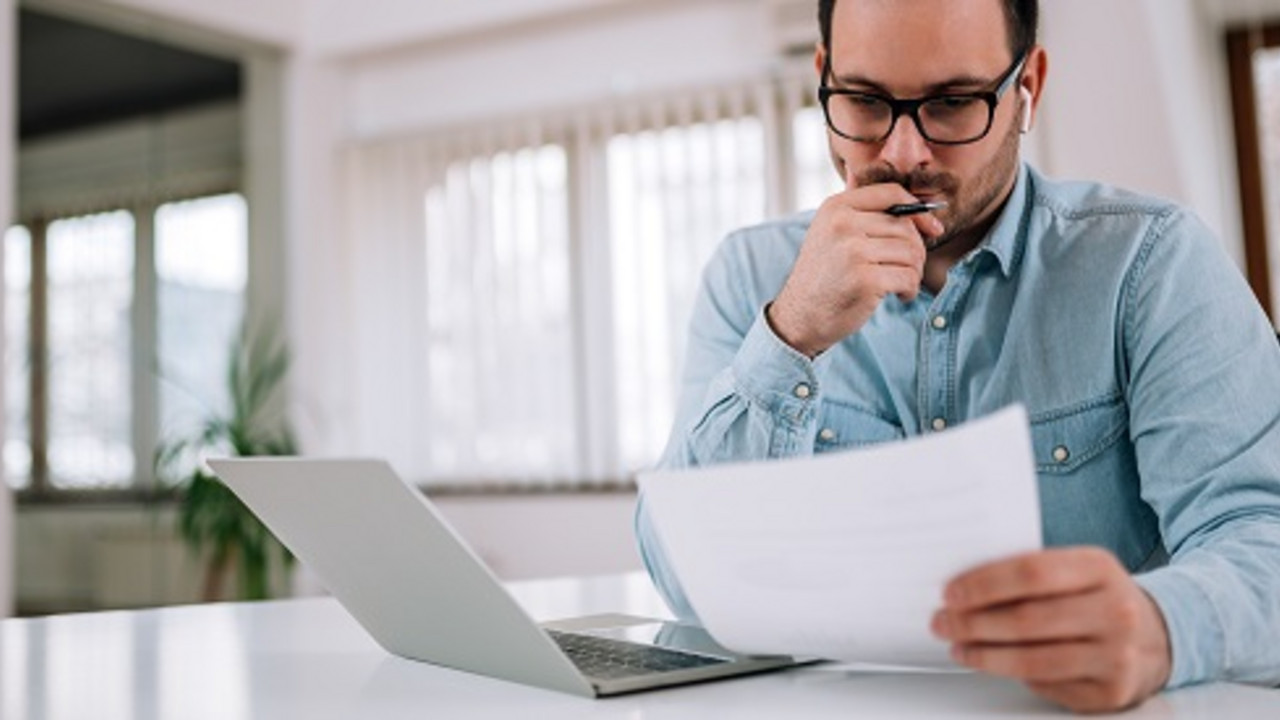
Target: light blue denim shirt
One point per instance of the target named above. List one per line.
(1151, 376)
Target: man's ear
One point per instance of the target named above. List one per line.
(1031, 85)
(1025, 94)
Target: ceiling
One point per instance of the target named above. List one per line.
(72, 76)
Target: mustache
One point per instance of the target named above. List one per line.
(916, 181)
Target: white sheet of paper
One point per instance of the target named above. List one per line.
(845, 555)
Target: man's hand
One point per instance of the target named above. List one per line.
(853, 256)
(1071, 623)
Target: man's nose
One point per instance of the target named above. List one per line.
(905, 149)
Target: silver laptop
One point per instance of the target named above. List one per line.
(388, 556)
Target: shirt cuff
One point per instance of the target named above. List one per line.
(775, 376)
(1195, 635)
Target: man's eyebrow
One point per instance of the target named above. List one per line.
(954, 84)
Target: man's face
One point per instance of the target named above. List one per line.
(919, 48)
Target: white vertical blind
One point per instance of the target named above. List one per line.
(499, 350)
(675, 191)
(523, 289)
(815, 179)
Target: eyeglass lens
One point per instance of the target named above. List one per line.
(944, 119)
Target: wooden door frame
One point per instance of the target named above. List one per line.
(1242, 43)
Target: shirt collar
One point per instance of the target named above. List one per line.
(1007, 238)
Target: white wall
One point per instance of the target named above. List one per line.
(343, 27)
(1138, 96)
(268, 22)
(313, 250)
(129, 555)
(628, 49)
(8, 131)
(1102, 114)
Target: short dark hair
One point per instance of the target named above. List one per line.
(1023, 17)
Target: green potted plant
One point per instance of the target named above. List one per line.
(211, 519)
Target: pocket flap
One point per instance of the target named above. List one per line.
(1063, 440)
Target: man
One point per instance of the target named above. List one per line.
(1150, 374)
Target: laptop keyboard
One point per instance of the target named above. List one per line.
(610, 659)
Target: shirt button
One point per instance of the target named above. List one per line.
(1061, 454)
(939, 424)
(803, 391)
(827, 434)
(939, 322)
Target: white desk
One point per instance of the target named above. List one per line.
(309, 659)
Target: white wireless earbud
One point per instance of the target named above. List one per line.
(1026, 109)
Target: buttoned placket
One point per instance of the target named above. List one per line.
(937, 347)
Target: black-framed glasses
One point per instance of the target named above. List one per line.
(946, 119)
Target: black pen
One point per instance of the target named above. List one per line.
(914, 208)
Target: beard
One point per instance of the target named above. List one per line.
(968, 207)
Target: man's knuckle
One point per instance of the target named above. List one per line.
(845, 223)
(828, 207)
(1127, 617)
(1128, 659)
(879, 279)
(919, 255)
(1029, 573)
(857, 253)
(1098, 555)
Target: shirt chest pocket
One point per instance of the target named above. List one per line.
(846, 426)
(1063, 440)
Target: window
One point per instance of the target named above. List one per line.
(90, 293)
(17, 361)
(78, 403)
(201, 272)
